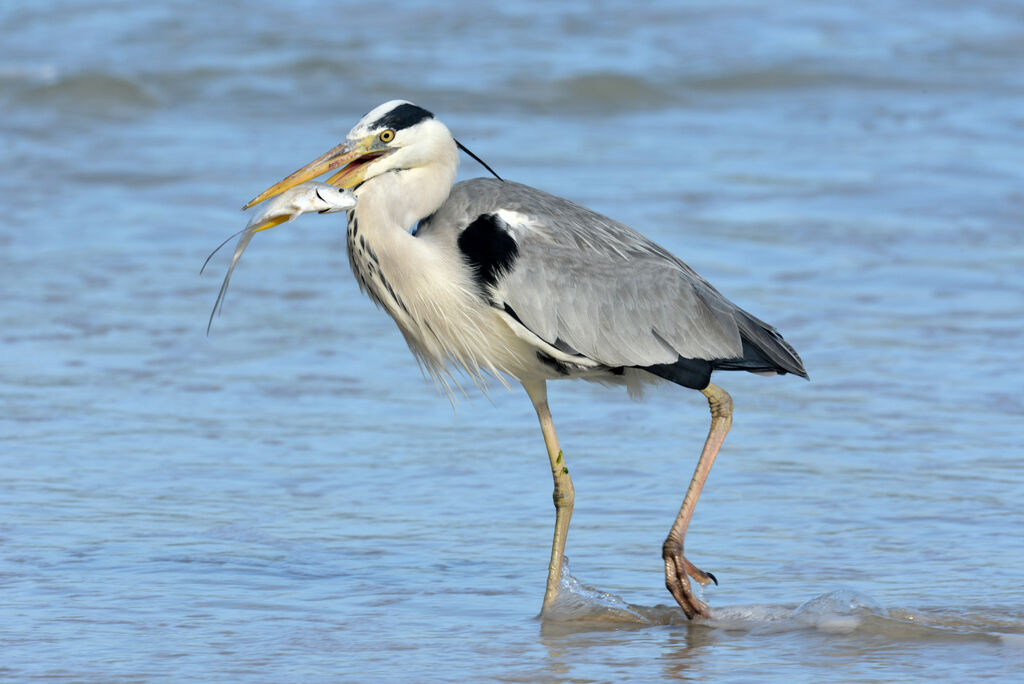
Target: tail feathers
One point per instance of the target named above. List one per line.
(764, 351)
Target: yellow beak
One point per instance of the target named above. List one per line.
(351, 157)
(269, 223)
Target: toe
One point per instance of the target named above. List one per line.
(678, 584)
(696, 573)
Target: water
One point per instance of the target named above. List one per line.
(288, 500)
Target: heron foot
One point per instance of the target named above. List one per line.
(678, 571)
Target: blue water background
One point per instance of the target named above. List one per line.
(288, 499)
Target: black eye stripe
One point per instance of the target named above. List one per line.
(402, 116)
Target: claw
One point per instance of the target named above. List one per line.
(678, 584)
(696, 573)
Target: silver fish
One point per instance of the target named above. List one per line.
(289, 205)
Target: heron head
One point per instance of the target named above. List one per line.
(395, 136)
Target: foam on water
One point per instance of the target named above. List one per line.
(577, 601)
(841, 611)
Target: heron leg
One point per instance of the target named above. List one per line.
(564, 493)
(677, 568)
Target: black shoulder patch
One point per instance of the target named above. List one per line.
(488, 248)
(402, 116)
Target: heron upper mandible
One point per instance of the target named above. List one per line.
(498, 278)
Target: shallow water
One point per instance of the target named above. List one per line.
(288, 500)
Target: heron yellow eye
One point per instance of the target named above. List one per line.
(387, 136)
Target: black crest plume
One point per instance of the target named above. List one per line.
(478, 159)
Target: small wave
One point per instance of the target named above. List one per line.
(841, 611)
(593, 92)
(94, 94)
(789, 77)
(576, 601)
(611, 88)
(34, 74)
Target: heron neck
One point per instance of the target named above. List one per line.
(399, 199)
(389, 263)
(422, 283)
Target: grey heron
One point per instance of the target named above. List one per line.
(497, 278)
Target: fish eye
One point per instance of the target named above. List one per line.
(387, 136)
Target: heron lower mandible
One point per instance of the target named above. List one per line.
(497, 278)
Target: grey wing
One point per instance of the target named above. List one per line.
(590, 286)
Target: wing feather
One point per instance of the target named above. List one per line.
(590, 283)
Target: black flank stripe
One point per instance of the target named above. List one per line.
(693, 373)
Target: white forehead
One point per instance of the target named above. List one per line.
(396, 114)
(368, 124)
